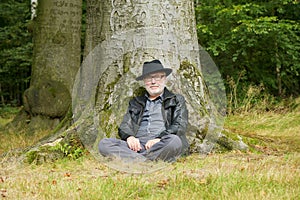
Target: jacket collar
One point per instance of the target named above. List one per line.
(167, 94)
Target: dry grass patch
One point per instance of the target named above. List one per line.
(19, 141)
(273, 173)
(279, 131)
(217, 176)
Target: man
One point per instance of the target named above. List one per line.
(154, 125)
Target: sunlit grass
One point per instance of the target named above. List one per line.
(279, 130)
(7, 114)
(232, 175)
(12, 139)
(220, 176)
(20, 140)
(268, 124)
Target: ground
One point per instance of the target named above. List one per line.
(269, 170)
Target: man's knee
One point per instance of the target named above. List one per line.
(172, 144)
(104, 146)
(173, 140)
(168, 149)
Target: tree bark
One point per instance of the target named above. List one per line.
(56, 60)
(128, 34)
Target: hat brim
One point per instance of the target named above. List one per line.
(168, 71)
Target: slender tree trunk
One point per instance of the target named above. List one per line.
(278, 71)
(1, 96)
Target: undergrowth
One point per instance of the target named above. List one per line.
(255, 99)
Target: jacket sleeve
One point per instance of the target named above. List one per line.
(128, 126)
(179, 119)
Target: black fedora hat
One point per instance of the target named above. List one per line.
(153, 67)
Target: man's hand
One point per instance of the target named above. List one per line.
(150, 143)
(134, 143)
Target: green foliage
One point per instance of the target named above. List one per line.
(70, 146)
(49, 153)
(259, 39)
(15, 50)
(72, 152)
(8, 112)
(31, 156)
(247, 98)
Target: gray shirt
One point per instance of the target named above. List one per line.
(152, 123)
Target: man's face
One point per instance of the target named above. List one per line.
(155, 83)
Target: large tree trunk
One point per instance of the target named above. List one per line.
(128, 34)
(56, 60)
(121, 35)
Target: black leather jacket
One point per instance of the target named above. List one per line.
(175, 115)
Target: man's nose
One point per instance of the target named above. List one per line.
(153, 80)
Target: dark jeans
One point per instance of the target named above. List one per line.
(167, 149)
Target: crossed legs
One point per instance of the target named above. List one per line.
(167, 149)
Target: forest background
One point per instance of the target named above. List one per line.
(255, 45)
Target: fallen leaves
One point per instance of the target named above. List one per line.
(67, 174)
(54, 182)
(3, 193)
(163, 183)
(1, 180)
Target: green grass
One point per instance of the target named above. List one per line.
(280, 131)
(270, 171)
(223, 176)
(7, 114)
